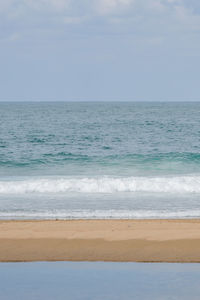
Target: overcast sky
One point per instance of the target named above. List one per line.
(100, 50)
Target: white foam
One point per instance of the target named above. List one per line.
(177, 184)
(100, 214)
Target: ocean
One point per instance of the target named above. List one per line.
(99, 280)
(100, 160)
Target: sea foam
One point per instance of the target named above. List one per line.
(179, 184)
(100, 214)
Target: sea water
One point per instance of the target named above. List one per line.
(99, 280)
(99, 160)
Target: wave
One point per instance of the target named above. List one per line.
(100, 214)
(178, 184)
(61, 157)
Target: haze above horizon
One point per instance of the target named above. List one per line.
(99, 50)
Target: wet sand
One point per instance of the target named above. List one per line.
(101, 240)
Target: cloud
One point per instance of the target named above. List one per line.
(73, 20)
(110, 6)
(11, 38)
(58, 5)
(88, 7)
(20, 8)
(153, 18)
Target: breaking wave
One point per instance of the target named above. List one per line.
(100, 214)
(178, 184)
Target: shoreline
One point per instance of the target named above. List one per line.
(126, 240)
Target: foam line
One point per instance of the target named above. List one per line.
(179, 184)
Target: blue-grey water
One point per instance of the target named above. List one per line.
(99, 281)
(99, 160)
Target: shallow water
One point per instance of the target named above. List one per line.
(96, 281)
(99, 160)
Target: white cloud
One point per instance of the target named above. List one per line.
(73, 20)
(58, 5)
(149, 17)
(108, 6)
(74, 7)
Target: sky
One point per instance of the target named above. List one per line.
(99, 50)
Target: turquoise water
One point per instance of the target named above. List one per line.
(99, 160)
(98, 281)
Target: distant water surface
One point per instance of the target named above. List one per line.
(99, 160)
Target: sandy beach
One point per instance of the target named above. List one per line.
(101, 240)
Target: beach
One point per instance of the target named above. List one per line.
(100, 240)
